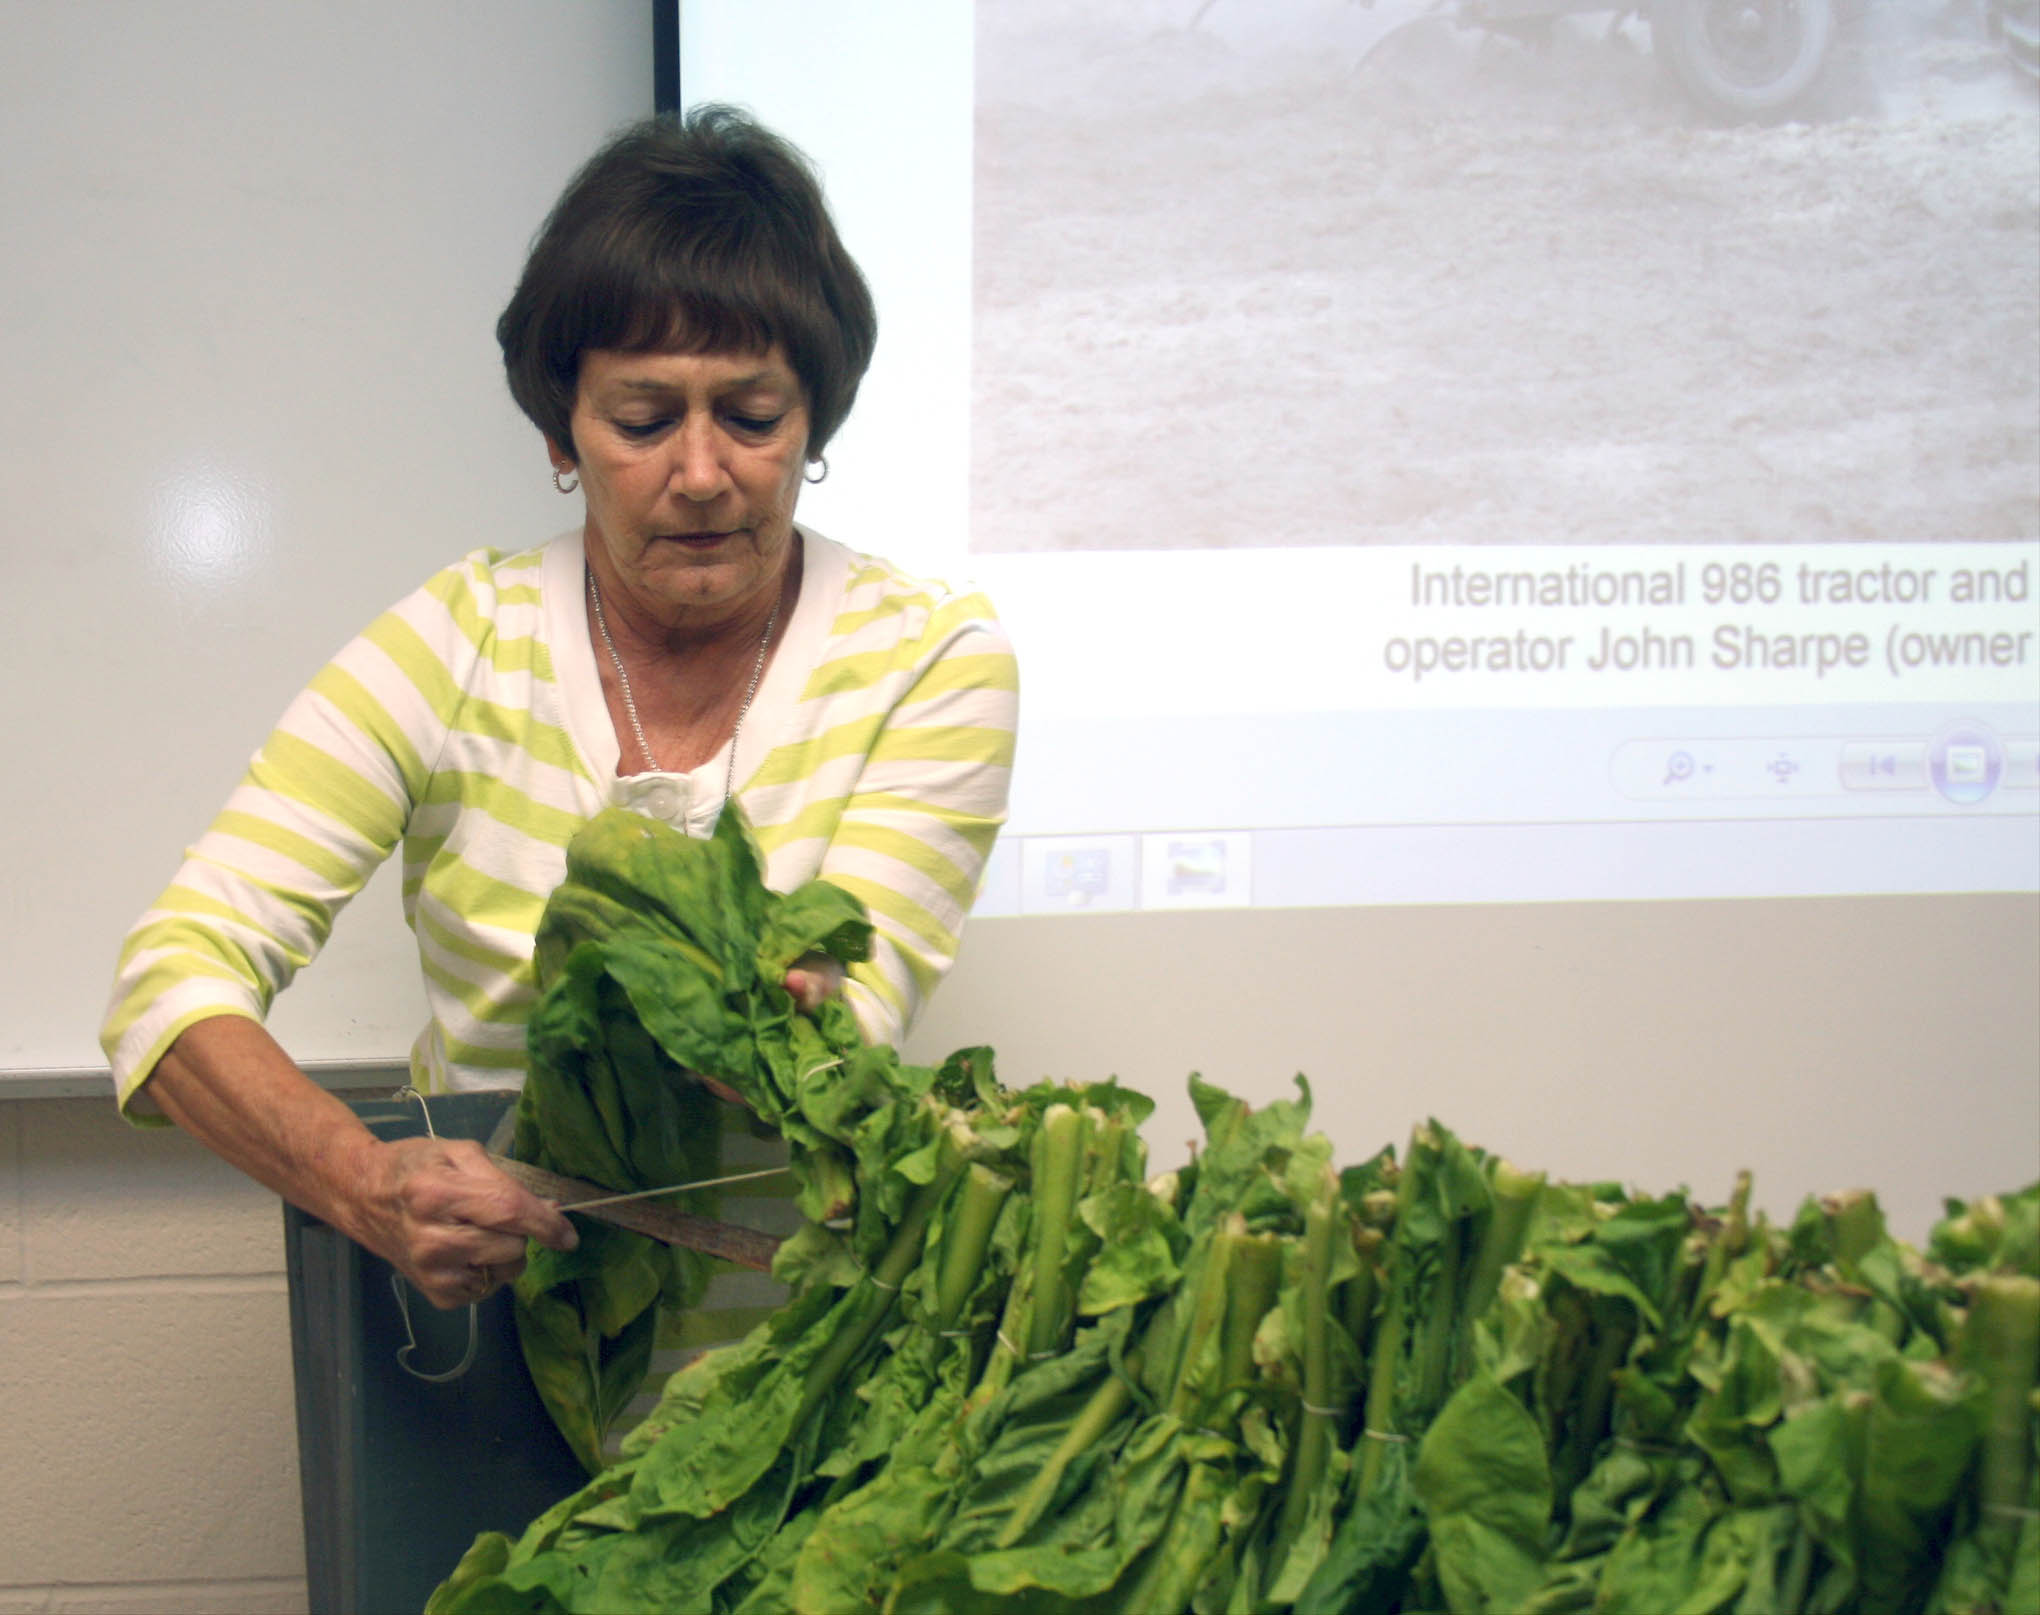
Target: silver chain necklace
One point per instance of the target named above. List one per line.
(630, 704)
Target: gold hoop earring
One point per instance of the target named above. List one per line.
(811, 475)
(564, 487)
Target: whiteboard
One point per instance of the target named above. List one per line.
(253, 256)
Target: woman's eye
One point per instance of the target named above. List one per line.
(758, 424)
(641, 428)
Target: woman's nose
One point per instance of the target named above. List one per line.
(698, 470)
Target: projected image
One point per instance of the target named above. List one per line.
(1312, 273)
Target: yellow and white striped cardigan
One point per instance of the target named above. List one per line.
(467, 723)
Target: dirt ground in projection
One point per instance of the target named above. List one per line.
(1238, 286)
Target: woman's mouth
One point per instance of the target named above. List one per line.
(706, 540)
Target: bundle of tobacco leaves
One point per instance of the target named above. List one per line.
(657, 955)
(1014, 1373)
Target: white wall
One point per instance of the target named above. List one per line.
(1891, 1043)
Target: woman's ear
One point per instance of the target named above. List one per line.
(563, 467)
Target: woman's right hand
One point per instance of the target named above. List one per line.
(442, 1214)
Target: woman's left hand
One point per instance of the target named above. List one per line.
(814, 979)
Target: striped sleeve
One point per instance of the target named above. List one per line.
(918, 827)
(322, 804)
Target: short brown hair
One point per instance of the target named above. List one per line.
(706, 233)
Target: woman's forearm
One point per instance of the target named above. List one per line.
(230, 1085)
(436, 1209)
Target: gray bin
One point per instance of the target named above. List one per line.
(399, 1475)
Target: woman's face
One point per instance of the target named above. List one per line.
(691, 465)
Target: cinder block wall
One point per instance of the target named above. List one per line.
(148, 1424)
(150, 1436)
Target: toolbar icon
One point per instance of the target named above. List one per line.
(1965, 762)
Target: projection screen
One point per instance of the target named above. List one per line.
(1409, 481)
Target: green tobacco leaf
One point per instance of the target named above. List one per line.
(556, 1349)
(1375, 1175)
(1443, 1184)
(1593, 1268)
(1830, 1331)
(1621, 1489)
(1368, 1564)
(622, 1360)
(1169, 1572)
(940, 1584)
(1818, 1466)
(765, 1585)
(1087, 1549)
(1140, 1244)
(1922, 1433)
(1242, 1147)
(1670, 1564)
(679, 1564)
(815, 918)
(1564, 1214)
(726, 1373)
(487, 1559)
(1482, 1477)
(567, 1036)
(1644, 1239)
(968, 1077)
(2022, 1587)
(624, 1283)
(1029, 1419)
(539, 1588)
(693, 1022)
(858, 1543)
(720, 1454)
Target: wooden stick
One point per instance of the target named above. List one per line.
(744, 1246)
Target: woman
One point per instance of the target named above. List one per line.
(687, 336)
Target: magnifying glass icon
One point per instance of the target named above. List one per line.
(1678, 766)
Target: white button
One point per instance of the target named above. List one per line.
(1885, 765)
(657, 798)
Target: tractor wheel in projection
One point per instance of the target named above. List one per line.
(1743, 60)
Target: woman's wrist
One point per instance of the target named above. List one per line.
(358, 1187)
